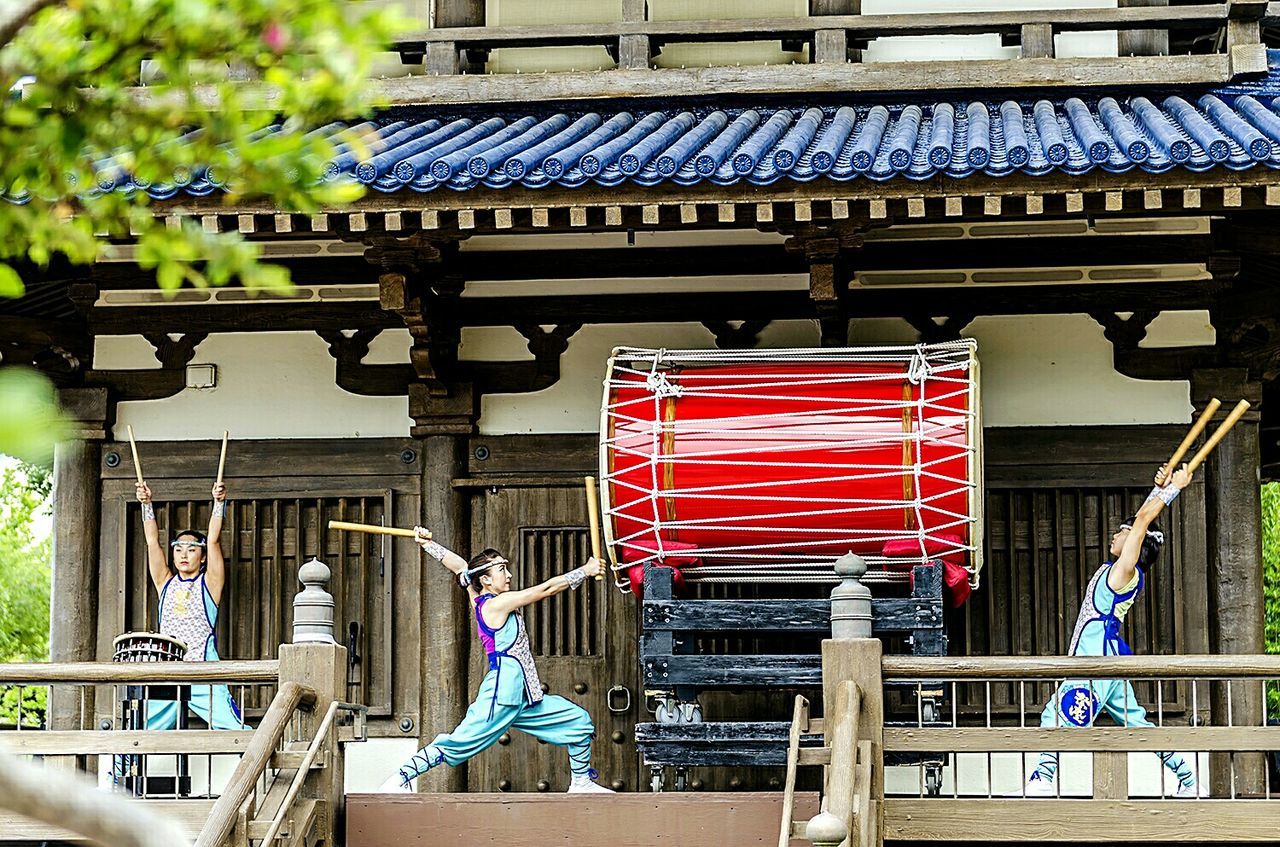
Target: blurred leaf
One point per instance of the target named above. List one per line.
(30, 420)
(10, 283)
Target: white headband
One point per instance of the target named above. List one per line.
(1151, 533)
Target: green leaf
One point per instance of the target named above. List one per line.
(30, 421)
(10, 283)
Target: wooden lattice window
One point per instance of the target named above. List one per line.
(569, 623)
(265, 541)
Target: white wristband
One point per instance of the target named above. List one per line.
(575, 578)
(1169, 493)
(148, 512)
(435, 550)
(219, 508)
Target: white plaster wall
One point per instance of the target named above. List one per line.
(270, 385)
(1037, 370)
(370, 762)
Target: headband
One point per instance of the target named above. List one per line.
(1154, 534)
(471, 574)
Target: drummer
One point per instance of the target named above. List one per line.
(190, 587)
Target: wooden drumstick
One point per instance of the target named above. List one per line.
(1220, 433)
(222, 459)
(1197, 428)
(593, 515)
(373, 528)
(133, 447)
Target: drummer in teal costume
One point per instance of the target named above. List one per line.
(1110, 594)
(190, 588)
(510, 694)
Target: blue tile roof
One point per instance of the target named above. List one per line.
(1235, 127)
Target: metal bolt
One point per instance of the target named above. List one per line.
(543, 785)
(696, 784)
(618, 736)
(105, 723)
(504, 739)
(408, 457)
(545, 688)
(113, 459)
(618, 785)
(481, 453)
(735, 783)
(504, 785)
(406, 724)
(580, 688)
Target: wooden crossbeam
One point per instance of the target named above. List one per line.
(1070, 740)
(83, 743)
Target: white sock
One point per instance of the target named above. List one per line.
(580, 779)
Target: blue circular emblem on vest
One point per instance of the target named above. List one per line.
(1079, 705)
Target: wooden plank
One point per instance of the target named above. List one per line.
(746, 671)
(1142, 42)
(1081, 667)
(106, 673)
(892, 614)
(632, 819)
(1110, 775)
(189, 814)
(1077, 821)
(273, 458)
(797, 79)
(71, 742)
(1072, 740)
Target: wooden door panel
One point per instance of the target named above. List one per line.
(584, 641)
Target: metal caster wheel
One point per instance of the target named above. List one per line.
(933, 779)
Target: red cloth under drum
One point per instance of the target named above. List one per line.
(955, 579)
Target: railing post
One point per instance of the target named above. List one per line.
(852, 655)
(315, 661)
(831, 46)
(634, 51)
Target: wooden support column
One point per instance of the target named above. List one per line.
(77, 500)
(445, 57)
(1234, 527)
(446, 623)
(323, 668)
(1142, 42)
(634, 51)
(831, 46)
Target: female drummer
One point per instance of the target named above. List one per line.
(190, 587)
(1110, 594)
(510, 694)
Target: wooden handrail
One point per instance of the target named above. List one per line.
(1204, 15)
(965, 739)
(142, 673)
(222, 818)
(1081, 667)
(300, 776)
(74, 742)
(843, 783)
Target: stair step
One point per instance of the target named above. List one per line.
(814, 756)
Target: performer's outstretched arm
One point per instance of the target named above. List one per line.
(1122, 570)
(215, 570)
(509, 601)
(157, 565)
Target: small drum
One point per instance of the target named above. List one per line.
(772, 463)
(147, 647)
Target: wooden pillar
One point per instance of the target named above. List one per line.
(445, 57)
(446, 617)
(323, 668)
(1234, 527)
(831, 46)
(77, 500)
(1142, 42)
(634, 51)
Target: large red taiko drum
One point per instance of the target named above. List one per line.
(777, 462)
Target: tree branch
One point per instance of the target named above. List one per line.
(13, 24)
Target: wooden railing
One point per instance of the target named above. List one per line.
(835, 42)
(286, 788)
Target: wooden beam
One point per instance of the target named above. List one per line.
(108, 673)
(256, 317)
(1142, 42)
(666, 83)
(1072, 740)
(1253, 666)
(188, 814)
(1095, 821)
(76, 743)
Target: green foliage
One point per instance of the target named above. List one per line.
(30, 422)
(309, 59)
(78, 117)
(1271, 582)
(25, 556)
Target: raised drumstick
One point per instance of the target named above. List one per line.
(1220, 433)
(1198, 427)
(133, 447)
(373, 528)
(222, 459)
(593, 515)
